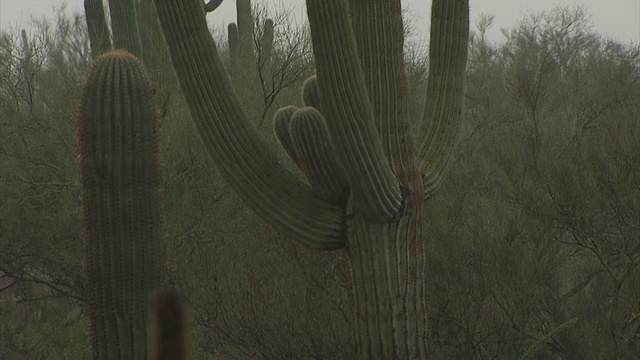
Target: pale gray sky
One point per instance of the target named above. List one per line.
(619, 19)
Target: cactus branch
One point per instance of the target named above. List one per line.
(245, 26)
(124, 23)
(445, 89)
(233, 41)
(316, 157)
(97, 27)
(382, 62)
(311, 93)
(242, 156)
(349, 114)
(281, 121)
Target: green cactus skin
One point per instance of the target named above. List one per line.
(233, 41)
(361, 77)
(240, 34)
(266, 41)
(315, 156)
(445, 84)
(281, 121)
(123, 20)
(121, 206)
(97, 27)
(245, 26)
(28, 69)
(311, 92)
(244, 159)
(350, 115)
(303, 135)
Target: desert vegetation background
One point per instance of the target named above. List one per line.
(538, 222)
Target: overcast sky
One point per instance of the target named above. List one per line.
(619, 19)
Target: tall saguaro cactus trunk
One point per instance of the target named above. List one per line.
(363, 111)
(121, 206)
(387, 251)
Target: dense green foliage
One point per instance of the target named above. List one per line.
(536, 224)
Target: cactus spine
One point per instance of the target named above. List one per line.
(361, 78)
(121, 206)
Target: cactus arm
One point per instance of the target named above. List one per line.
(445, 89)
(281, 121)
(97, 27)
(316, 157)
(382, 63)
(311, 93)
(121, 206)
(124, 24)
(233, 41)
(245, 26)
(349, 115)
(242, 157)
(212, 5)
(266, 40)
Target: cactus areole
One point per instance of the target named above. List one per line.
(389, 162)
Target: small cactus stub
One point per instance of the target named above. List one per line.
(169, 320)
(121, 205)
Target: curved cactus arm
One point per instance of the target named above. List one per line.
(348, 112)
(382, 62)
(97, 27)
(124, 25)
(311, 93)
(281, 121)
(212, 5)
(316, 157)
(445, 89)
(243, 158)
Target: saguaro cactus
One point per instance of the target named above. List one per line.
(121, 206)
(363, 88)
(241, 35)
